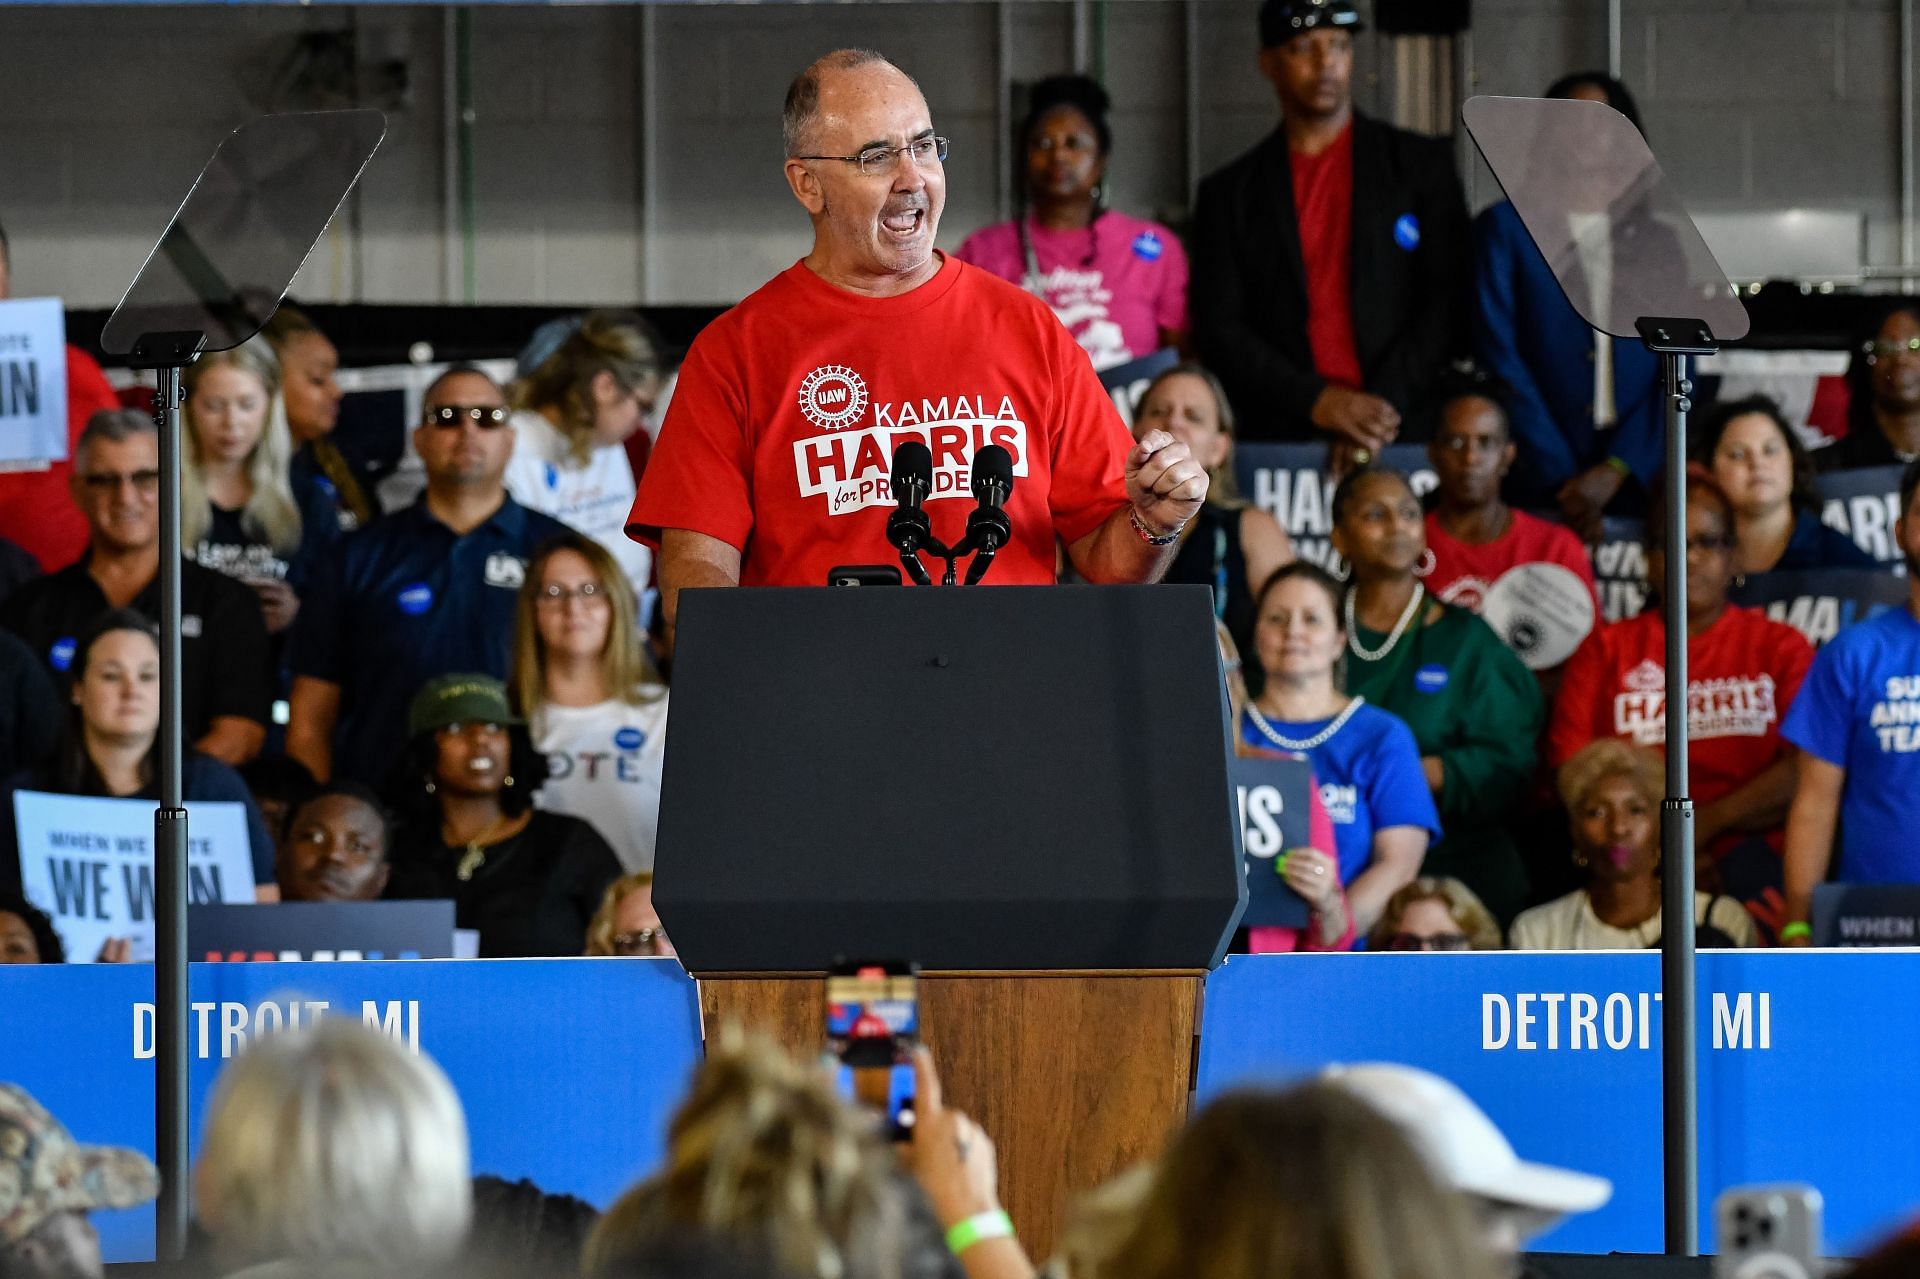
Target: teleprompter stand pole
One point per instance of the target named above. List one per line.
(1674, 340)
(166, 354)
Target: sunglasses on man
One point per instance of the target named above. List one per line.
(450, 417)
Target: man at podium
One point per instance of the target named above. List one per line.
(774, 461)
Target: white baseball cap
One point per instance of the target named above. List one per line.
(1464, 1147)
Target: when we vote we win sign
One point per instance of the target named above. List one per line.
(89, 863)
(33, 383)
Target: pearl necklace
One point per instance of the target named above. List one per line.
(1393, 636)
(1272, 734)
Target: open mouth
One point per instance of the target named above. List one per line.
(904, 224)
(481, 764)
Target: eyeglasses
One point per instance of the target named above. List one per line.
(556, 596)
(924, 152)
(488, 417)
(638, 942)
(1879, 350)
(108, 481)
(1437, 941)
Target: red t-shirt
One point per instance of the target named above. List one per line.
(1462, 573)
(1323, 208)
(1741, 676)
(780, 437)
(36, 509)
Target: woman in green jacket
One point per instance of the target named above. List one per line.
(1474, 709)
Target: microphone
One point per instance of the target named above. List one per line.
(908, 528)
(988, 528)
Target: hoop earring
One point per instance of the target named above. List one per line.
(506, 782)
(431, 788)
(1580, 859)
(1428, 562)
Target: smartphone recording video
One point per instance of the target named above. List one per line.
(873, 1025)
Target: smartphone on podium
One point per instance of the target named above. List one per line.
(873, 1026)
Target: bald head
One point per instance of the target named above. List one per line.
(803, 106)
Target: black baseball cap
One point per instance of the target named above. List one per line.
(1282, 20)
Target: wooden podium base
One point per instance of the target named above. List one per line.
(1076, 1076)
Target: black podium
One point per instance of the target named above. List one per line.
(1015, 778)
(1024, 789)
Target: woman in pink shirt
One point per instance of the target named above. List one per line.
(1118, 283)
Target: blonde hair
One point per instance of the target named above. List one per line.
(765, 1152)
(333, 1142)
(1097, 1224)
(600, 929)
(624, 665)
(271, 512)
(1610, 757)
(614, 342)
(1466, 910)
(1222, 490)
(1309, 1184)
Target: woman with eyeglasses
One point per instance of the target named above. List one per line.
(238, 511)
(1612, 792)
(1883, 418)
(572, 416)
(527, 880)
(1118, 283)
(1743, 670)
(1474, 707)
(595, 705)
(1364, 759)
(1768, 477)
(1435, 913)
(627, 923)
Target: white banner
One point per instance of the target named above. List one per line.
(89, 863)
(33, 383)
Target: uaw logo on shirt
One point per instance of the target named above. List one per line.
(849, 462)
(1740, 706)
(505, 570)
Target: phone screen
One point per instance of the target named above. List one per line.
(873, 1024)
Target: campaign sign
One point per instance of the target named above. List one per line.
(1126, 383)
(1820, 603)
(1863, 504)
(88, 862)
(1271, 790)
(1806, 1064)
(1290, 483)
(33, 383)
(567, 1069)
(1866, 915)
(1619, 565)
(284, 931)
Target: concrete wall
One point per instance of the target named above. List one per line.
(1753, 105)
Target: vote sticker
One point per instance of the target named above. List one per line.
(1147, 247)
(416, 599)
(1430, 678)
(60, 656)
(629, 739)
(1406, 232)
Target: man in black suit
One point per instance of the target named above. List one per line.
(1331, 262)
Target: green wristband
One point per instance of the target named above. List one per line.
(986, 1225)
(1620, 465)
(1798, 928)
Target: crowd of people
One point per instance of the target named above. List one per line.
(466, 697)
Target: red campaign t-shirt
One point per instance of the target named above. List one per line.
(1462, 573)
(780, 437)
(36, 508)
(1323, 207)
(1741, 676)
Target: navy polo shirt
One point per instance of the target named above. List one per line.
(226, 666)
(400, 601)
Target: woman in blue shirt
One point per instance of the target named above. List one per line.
(1364, 759)
(1768, 478)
